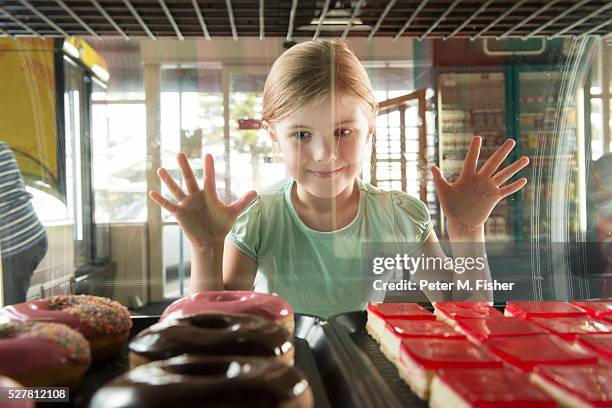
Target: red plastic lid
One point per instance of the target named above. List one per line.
(596, 308)
(526, 352)
(400, 311)
(568, 327)
(498, 387)
(600, 343)
(473, 310)
(543, 309)
(483, 329)
(450, 353)
(422, 328)
(590, 383)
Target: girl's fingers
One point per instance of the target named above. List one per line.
(471, 158)
(497, 158)
(174, 188)
(505, 174)
(210, 184)
(237, 206)
(438, 178)
(190, 180)
(512, 187)
(162, 202)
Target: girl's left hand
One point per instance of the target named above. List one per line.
(468, 201)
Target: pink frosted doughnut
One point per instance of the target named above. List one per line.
(104, 322)
(42, 354)
(259, 304)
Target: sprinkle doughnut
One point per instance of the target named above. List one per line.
(5, 383)
(104, 322)
(189, 381)
(39, 354)
(259, 304)
(210, 335)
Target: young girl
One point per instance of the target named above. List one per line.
(301, 238)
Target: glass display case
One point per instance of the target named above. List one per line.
(473, 104)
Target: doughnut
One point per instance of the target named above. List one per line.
(212, 334)
(227, 302)
(104, 322)
(6, 382)
(39, 354)
(526, 352)
(421, 357)
(576, 386)
(485, 387)
(190, 381)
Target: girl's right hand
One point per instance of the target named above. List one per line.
(203, 217)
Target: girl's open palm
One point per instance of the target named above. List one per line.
(471, 198)
(203, 217)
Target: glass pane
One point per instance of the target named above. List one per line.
(253, 164)
(597, 136)
(192, 123)
(597, 73)
(87, 150)
(473, 104)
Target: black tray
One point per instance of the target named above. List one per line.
(381, 376)
(318, 354)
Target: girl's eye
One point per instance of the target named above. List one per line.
(302, 135)
(344, 132)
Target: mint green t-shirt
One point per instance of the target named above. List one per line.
(320, 272)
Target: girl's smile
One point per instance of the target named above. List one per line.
(326, 174)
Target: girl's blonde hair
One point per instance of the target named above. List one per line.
(313, 69)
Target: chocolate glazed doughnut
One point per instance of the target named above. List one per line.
(212, 335)
(196, 381)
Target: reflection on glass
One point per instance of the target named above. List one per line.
(597, 134)
(548, 130)
(473, 104)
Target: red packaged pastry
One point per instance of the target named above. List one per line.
(398, 329)
(378, 313)
(576, 386)
(597, 308)
(486, 387)
(479, 330)
(449, 311)
(526, 352)
(421, 357)
(527, 309)
(400, 311)
(569, 327)
(601, 344)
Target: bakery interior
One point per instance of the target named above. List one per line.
(96, 95)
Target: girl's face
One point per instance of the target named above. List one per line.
(323, 144)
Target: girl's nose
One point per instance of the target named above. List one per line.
(326, 150)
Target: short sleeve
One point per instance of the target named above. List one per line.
(246, 231)
(411, 218)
